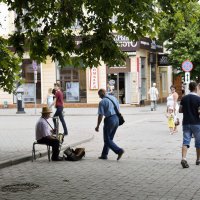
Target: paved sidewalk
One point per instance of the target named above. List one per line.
(17, 133)
(150, 169)
(17, 130)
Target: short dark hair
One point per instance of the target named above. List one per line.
(192, 86)
(172, 86)
(57, 84)
(54, 91)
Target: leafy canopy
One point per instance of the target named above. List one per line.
(47, 28)
(81, 31)
(9, 68)
(181, 31)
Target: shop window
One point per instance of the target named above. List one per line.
(73, 83)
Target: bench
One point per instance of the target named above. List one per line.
(33, 151)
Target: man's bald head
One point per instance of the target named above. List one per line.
(102, 93)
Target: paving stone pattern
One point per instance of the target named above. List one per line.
(149, 169)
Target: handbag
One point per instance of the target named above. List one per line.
(74, 155)
(176, 120)
(119, 115)
(121, 119)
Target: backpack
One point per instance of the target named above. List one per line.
(74, 155)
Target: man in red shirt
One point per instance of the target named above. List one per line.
(58, 102)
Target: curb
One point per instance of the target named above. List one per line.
(39, 154)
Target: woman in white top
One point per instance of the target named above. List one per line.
(172, 101)
(50, 98)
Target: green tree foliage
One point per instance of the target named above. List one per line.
(181, 31)
(47, 28)
(50, 28)
(9, 68)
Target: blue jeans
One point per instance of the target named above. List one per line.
(110, 126)
(59, 113)
(188, 131)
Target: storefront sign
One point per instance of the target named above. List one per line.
(94, 82)
(163, 60)
(145, 43)
(127, 45)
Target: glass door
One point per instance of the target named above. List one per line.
(116, 86)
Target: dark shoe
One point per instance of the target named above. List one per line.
(120, 154)
(102, 157)
(184, 164)
(198, 162)
(57, 159)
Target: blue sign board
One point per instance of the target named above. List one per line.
(187, 66)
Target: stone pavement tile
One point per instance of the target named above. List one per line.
(17, 136)
(90, 180)
(149, 169)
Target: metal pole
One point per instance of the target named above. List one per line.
(35, 81)
(34, 64)
(187, 88)
(35, 99)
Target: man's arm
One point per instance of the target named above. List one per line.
(100, 117)
(157, 94)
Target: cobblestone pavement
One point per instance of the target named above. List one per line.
(17, 134)
(149, 169)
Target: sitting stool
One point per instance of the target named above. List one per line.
(48, 151)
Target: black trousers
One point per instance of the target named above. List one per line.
(54, 143)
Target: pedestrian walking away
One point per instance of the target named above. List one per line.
(43, 134)
(58, 102)
(154, 95)
(190, 107)
(111, 123)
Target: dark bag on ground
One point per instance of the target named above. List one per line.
(121, 119)
(74, 155)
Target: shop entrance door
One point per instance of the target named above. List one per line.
(118, 81)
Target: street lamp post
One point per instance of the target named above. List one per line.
(34, 64)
